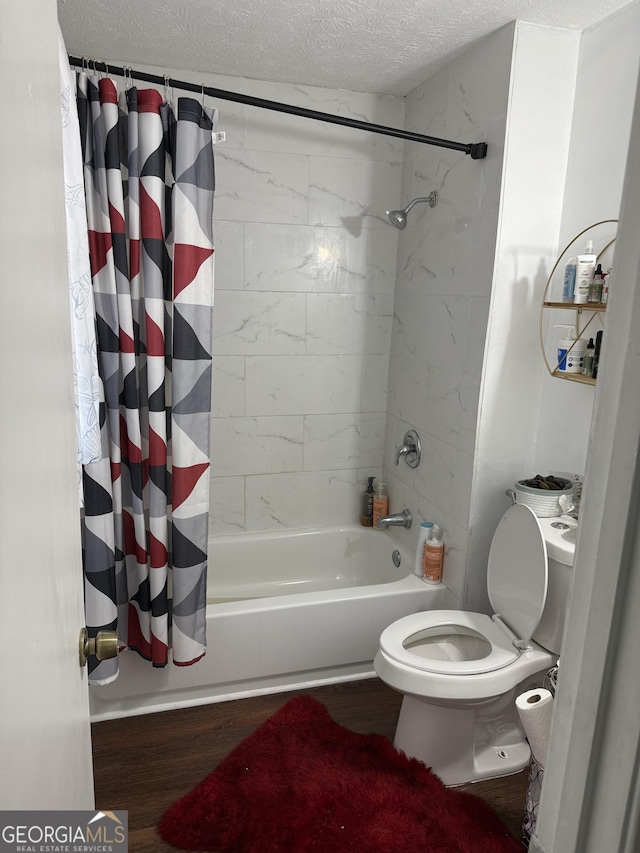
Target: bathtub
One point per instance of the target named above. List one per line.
(285, 610)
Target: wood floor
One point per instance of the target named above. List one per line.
(144, 764)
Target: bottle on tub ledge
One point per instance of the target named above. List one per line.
(433, 556)
(380, 503)
(366, 505)
(423, 535)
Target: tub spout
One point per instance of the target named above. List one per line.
(398, 519)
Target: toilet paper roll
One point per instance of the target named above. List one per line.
(535, 708)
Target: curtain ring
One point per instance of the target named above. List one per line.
(128, 79)
(167, 89)
(202, 95)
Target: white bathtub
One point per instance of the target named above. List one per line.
(286, 611)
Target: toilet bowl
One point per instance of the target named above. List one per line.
(460, 672)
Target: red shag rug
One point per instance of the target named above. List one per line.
(303, 784)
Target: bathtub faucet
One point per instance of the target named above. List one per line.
(398, 519)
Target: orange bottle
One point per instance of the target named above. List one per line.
(432, 557)
(380, 502)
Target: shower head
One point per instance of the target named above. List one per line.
(398, 218)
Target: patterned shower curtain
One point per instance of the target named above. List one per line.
(149, 184)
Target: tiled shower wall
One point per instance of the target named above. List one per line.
(445, 269)
(305, 272)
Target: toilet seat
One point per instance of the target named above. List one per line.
(440, 625)
(455, 642)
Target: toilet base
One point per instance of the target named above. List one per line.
(463, 744)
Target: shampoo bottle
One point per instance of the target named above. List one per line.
(569, 283)
(425, 533)
(380, 502)
(433, 557)
(366, 505)
(584, 273)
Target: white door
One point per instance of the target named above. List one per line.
(45, 744)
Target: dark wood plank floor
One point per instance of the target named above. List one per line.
(144, 764)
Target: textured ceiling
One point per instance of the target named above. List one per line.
(385, 46)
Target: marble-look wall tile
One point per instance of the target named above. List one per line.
(451, 407)
(262, 186)
(318, 259)
(346, 323)
(408, 387)
(305, 258)
(354, 194)
(226, 505)
(247, 323)
(382, 250)
(434, 478)
(476, 340)
(427, 108)
(374, 376)
(311, 384)
(227, 386)
(228, 239)
(432, 329)
(256, 445)
(343, 441)
(462, 481)
(471, 101)
(302, 499)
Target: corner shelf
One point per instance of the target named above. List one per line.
(573, 377)
(576, 306)
(593, 309)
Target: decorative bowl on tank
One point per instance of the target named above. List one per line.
(542, 494)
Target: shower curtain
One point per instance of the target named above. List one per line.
(149, 184)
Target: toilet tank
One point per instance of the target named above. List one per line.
(560, 538)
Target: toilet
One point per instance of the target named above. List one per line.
(461, 672)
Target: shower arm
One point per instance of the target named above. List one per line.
(430, 200)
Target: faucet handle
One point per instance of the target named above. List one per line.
(411, 449)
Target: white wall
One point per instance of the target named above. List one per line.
(445, 264)
(543, 69)
(562, 172)
(605, 88)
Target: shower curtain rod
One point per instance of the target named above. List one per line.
(477, 150)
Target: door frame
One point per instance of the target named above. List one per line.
(591, 792)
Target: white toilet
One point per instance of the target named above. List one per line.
(461, 672)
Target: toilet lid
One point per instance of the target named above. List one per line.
(518, 571)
